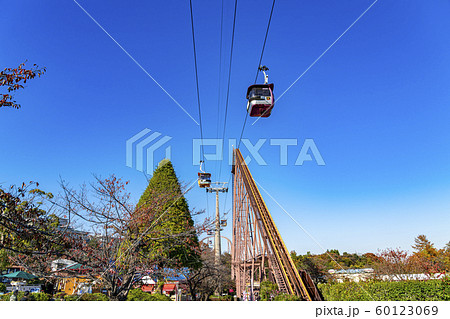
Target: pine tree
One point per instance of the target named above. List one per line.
(173, 241)
(422, 244)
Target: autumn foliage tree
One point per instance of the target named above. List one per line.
(14, 79)
(122, 235)
(98, 227)
(431, 259)
(26, 226)
(211, 277)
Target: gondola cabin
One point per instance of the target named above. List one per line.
(260, 100)
(204, 180)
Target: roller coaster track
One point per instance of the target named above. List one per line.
(258, 251)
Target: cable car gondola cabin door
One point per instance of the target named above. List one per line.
(260, 100)
(204, 180)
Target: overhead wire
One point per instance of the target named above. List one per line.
(229, 81)
(196, 80)
(265, 40)
(259, 64)
(220, 78)
(256, 78)
(198, 99)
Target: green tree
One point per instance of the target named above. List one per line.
(175, 242)
(4, 260)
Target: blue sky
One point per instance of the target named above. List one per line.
(376, 105)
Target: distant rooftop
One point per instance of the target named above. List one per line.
(351, 271)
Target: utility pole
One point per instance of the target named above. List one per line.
(217, 187)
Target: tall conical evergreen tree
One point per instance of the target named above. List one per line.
(174, 240)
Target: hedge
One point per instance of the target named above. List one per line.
(139, 295)
(411, 290)
(6, 297)
(221, 298)
(36, 296)
(86, 297)
(286, 297)
(40, 296)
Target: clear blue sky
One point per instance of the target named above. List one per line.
(376, 105)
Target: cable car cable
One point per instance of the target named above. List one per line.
(220, 78)
(229, 80)
(265, 39)
(259, 64)
(196, 80)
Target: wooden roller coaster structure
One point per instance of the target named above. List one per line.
(258, 251)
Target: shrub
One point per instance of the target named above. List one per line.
(160, 297)
(6, 297)
(411, 290)
(94, 297)
(71, 298)
(221, 298)
(268, 290)
(2, 287)
(40, 296)
(287, 297)
(60, 296)
(139, 295)
(86, 297)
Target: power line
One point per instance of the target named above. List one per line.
(196, 80)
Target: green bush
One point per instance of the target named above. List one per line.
(94, 297)
(286, 297)
(139, 295)
(60, 296)
(40, 296)
(2, 287)
(86, 297)
(414, 290)
(221, 298)
(6, 297)
(267, 290)
(71, 298)
(160, 297)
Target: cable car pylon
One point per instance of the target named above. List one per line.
(258, 252)
(217, 188)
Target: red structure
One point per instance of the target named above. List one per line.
(258, 251)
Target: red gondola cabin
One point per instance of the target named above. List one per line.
(260, 100)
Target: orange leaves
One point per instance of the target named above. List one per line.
(14, 79)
